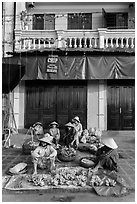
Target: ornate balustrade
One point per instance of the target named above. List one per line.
(101, 38)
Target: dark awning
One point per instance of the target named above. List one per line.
(78, 67)
(11, 75)
(110, 67)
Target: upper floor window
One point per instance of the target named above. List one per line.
(117, 20)
(43, 22)
(80, 21)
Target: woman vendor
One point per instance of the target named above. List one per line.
(79, 130)
(107, 156)
(69, 134)
(44, 155)
(55, 132)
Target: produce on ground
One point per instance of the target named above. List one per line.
(72, 176)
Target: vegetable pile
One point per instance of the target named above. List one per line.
(66, 153)
(72, 176)
(64, 176)
(97, 181)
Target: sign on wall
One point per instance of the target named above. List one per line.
(52, 64)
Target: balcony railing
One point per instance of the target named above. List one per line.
(101, 38)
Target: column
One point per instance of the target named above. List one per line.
(101, 33)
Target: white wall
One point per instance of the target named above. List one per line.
(97, 104)
(8, 26)
(60, 8)
(92, 104)
(19, 104)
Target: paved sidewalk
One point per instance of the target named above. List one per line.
(124, 139)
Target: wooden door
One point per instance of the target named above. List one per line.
(40, 103)
(78, 103)
(47, 101)
(121, 105)
(72, 101)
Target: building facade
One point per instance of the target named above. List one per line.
(94, 47)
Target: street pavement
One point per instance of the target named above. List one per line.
(11, 156)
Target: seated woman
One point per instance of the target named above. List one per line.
(107, 156)
(55, 132)
(44, 155)
(69, 134)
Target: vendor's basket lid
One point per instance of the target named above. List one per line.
(69, 125)
(109, 142)
(18, 168)
(54, 123)
(76, 118)
(47, 139)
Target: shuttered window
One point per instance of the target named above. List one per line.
(38, 22)
(80, 21)
(117, 20)
(43, 22)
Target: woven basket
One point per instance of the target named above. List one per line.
(66, 159)
(27, 148)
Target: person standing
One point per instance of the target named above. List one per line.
(78, 127)
(55, 132)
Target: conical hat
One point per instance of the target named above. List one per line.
(46, 139)
(54, 123)
(18, 168)
(109, 142)
(76, 118)
(69, 124)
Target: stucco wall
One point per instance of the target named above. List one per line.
(92, 104)
(19, 105)
(97, 104)
(62, 8)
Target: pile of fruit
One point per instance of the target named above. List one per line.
(72, 176)
(66, 153)
(97, 181)
(64, 176)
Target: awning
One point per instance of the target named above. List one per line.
(78, 67)
(11, 75)
(114, 67)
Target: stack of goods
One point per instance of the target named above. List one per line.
(66, 153)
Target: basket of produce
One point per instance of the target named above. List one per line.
(88, 162)
(29, 146)
(66, 154)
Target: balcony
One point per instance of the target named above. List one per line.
(101, 39)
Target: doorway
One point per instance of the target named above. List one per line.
(47, 101)
(121, 105)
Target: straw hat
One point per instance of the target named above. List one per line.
(69, 125)
(46, 139)
(54, 123)
(18, 168)
(109, 142)
(76, 118)
(37, 123)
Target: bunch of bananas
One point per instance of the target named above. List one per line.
(95, 181)
(110, 182)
